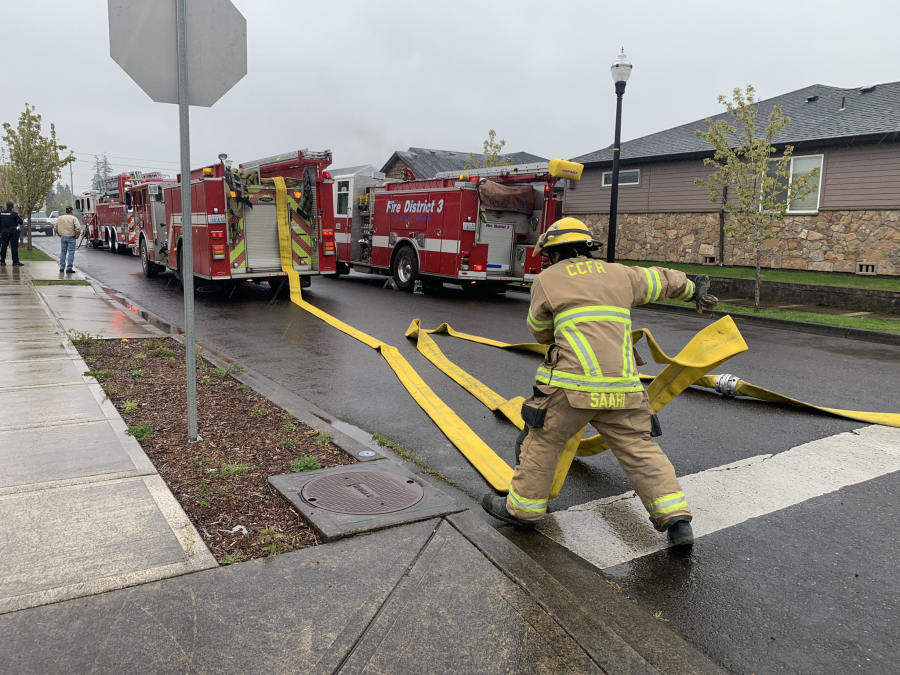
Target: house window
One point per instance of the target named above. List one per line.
(801, 166)
(630, 177)
(343, 197)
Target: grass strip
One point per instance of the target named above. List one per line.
(60, 282)
(860, 322)
(787, 276)
(34, 255)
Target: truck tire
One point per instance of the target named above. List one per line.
(406, 268)
(149, 268)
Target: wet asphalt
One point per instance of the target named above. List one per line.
(800, 597)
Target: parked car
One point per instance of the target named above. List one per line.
(54, 216)
(41, 223)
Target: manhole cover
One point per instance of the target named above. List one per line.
(362, 492)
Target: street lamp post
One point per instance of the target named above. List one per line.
(621, 69)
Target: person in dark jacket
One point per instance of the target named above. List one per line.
(10, 222)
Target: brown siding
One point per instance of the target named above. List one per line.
(667, 186)
(673, 188)
(861, 177)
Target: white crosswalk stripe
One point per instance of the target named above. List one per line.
(611, 531)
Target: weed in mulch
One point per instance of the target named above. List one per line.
(305, 464)
(221, 481)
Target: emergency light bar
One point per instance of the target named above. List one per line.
(295, 154)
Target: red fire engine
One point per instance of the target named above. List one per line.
(235, 220)
(113, 213)
(475, 228)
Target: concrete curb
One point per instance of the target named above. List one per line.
(879, 337)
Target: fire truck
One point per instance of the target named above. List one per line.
(114, 212)
(235, 221)
(476, 228)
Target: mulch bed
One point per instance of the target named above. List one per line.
(221, 480)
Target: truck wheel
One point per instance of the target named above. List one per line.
(149, 269)
(113, 245)
(406, 268)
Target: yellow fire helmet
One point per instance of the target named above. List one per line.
(564, 231)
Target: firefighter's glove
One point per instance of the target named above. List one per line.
(702, 297)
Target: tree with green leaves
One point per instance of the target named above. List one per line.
(749, 169)
(6, 194)
(491, 156)
(34, 162)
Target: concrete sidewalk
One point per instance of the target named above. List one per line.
(82, 509)
(101, 571)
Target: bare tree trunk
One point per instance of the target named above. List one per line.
(29, 233)
(758, 256)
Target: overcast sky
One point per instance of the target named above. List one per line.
(366, 78)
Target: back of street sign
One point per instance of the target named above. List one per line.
(142, 40)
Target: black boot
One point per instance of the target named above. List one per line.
(496, 506)
(680, 532)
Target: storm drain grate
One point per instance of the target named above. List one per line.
(362, 492)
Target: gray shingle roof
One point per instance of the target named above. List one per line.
(864, 114)
(427, 163)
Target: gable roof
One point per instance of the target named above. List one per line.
(815, 113)
(427, 163)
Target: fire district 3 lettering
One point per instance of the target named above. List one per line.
(410, 206)
(585, 267)
(607, 400)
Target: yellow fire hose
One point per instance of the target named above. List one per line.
(711, 347)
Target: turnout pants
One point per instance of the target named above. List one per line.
(627, 431)
(11, 240)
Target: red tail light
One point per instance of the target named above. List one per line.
(327, 233)
(329, 248)
(216, 235)
(218, 252)
(546, 188)
(327, 174)
(478, 268)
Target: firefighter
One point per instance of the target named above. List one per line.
(581, 307)
(10, 223)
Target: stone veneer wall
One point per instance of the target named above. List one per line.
(831, 241)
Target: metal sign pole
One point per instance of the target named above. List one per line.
(187, 246)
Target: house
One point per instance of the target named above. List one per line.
(426, 163)
(850, 223)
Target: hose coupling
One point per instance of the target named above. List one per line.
(727, 385)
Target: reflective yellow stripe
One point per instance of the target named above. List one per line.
(665, 498)
(538, 325)
(669, 509)
(573, 343)
(590, 383)
(590, 313)
(530, 505)
(626, 353)
(654, 285)
(688, 291)
(666, 504)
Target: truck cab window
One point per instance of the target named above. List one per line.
(343, 197)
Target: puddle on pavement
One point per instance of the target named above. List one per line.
(164, 326)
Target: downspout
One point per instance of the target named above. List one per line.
(722, 227)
